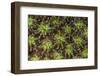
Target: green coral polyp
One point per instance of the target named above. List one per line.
(78, 41)
(31, 40)
(55, 20)
(46, 45)
(68, 29)
(85, 53)
(59, 38)
(79, 24)
(57, 56)
(43, 28)
(34, 57)
(30, 21)
(69, 50)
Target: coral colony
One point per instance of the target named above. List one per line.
(57, 37)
